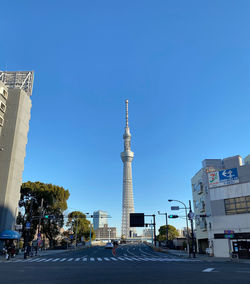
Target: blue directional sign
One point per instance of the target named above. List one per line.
(224, 177)
(27, 226)
(228, 175)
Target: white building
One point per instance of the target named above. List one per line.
(100, 219)
(15, 106)
(221, 196)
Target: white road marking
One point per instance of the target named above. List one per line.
(84, 259)
(63, 259)
(128, 258)
(106, 258)
(135, 258)
(113, 258)
(33, 260)
(92, 259)
(49, 259)
(99, 259)
(77, 259)
(41, 260)
(70, 259)
(210, 269)
(120, 258)
(55, 259)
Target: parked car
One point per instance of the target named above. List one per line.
(109, 246)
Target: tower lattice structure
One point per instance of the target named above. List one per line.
(127, 198)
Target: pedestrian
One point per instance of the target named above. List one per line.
(28, 250)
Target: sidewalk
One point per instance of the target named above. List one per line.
(202, 257)
(41, 253)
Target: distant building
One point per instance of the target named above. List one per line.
(147, 233)
(183, 232)
(100, 219)
(221, 197)
(15, 106)
(105, 232)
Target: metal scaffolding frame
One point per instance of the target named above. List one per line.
(18, 80)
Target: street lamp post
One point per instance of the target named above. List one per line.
(170, 200)
(90, 225)
(109, 230)
(76, 230)
(166, 214)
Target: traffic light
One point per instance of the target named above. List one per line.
(173, 216)
(48, 217)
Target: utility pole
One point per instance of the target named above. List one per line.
(166, 214)
(154, 229)
(90, 233)
(191, 216)
(185, 207)
(76, 229)
(40, 218)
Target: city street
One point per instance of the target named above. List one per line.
(136, 263)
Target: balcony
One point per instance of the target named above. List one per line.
(203, 225)
(202, 206)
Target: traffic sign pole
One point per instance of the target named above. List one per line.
(191, 216)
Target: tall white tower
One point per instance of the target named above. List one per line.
(127, 198)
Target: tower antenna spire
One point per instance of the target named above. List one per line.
(126, 112)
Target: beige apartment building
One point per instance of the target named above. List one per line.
(15, 106)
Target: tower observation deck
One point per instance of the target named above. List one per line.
(127, 198)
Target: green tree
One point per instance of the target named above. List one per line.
(80, 225)
(54, 204)
(172, 233)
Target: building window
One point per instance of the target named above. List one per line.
(4, 93)
(238, 205)
(1, 121)
(2, 106)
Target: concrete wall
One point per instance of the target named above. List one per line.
(221, 248)
(230, 191)
(13, 139)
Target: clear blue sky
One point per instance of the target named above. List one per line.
(183, 65)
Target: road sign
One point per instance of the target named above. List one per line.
(71, 237)
(19, 227)
(175, 208)
(27, 226)
(136, 219)
(191, 215)
(39, 234)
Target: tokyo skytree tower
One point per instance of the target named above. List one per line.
(127, 198)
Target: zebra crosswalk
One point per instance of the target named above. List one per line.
(86, 259)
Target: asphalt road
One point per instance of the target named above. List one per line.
(128, 264)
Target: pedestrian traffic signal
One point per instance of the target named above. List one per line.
(173, 216)
(48, 216)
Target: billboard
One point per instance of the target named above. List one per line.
(136, 219)
(224, 177)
